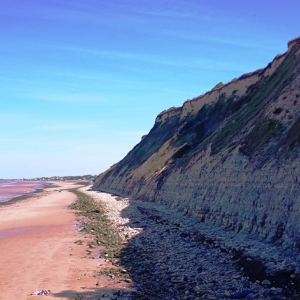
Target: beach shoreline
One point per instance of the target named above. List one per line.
(38, 249)
(14, 190)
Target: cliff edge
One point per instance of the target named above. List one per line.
(229, 158)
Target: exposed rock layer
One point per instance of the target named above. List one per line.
(229, 157)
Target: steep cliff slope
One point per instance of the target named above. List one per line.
(229, 157)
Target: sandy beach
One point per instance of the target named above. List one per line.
(37, 250)
(166, 255)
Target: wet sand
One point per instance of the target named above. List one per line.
(15, 188)
(37, 249)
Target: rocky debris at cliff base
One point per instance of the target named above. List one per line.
(169, 256)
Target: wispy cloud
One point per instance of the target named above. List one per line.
(111, 54)
(205, 39)
(56, 126)
(10, 116)
(166, 12)
(69, 98)
(166, 9)
(152, 59)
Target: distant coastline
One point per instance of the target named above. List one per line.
(14, 190)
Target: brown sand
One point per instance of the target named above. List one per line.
(37, 250)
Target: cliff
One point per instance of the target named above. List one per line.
(229, 158)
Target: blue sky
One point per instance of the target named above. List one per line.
(82, 80)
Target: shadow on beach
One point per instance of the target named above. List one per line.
(163, 260)
(171, 257)
(97, 293)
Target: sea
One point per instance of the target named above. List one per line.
(10, 189)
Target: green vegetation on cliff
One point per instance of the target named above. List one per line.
(256, 99)
(247, 122)
(229, 157)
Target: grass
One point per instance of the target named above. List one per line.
(259, 95)
(96, 223)
(157, 137)
(260, 135)
(293, 136)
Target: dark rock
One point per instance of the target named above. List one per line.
(266, 292)
(266, 282)
(241, 295)
(184, 235)
(250, 296)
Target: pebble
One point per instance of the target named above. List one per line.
(169, 256)
(241, 294)
(266, 282)
(250, 296)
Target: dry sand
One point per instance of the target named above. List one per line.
(37, 250)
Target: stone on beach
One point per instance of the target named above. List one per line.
(170, 256)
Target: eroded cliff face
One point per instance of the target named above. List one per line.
(229, 157)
